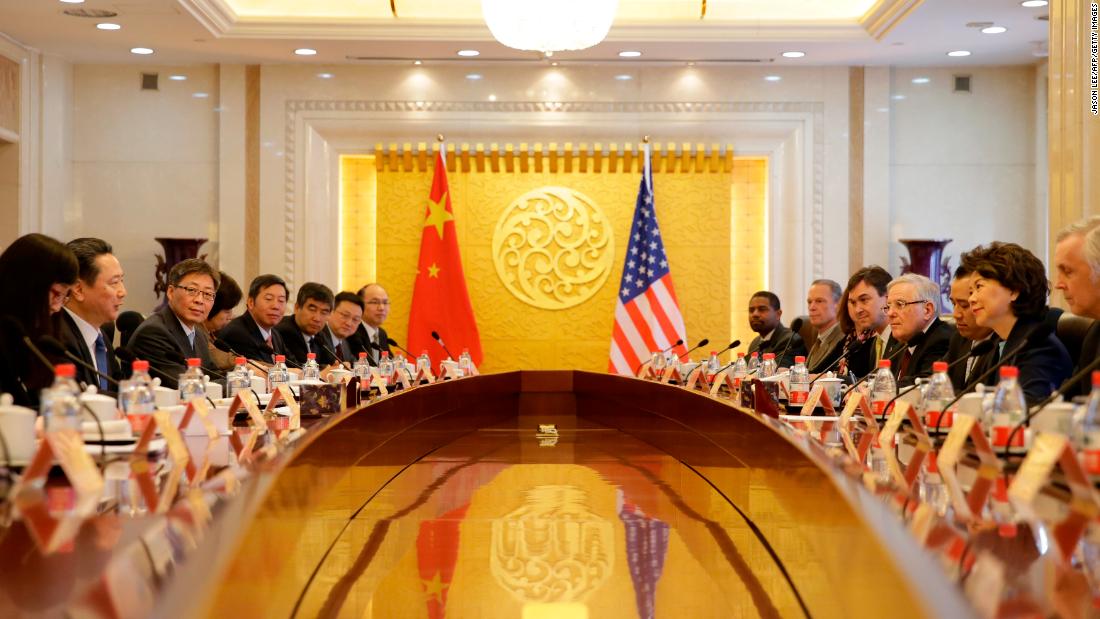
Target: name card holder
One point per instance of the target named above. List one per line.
(196, 474)
(968, 506)
(672, 376)
(697, 379)
(257, 425)
(424, 376)
(178, 455)
(857, 404)
(763, 401)
(67, 447)
(646, 372)
(353, 395)
(903, 410)
(725, 378)
(281, 425)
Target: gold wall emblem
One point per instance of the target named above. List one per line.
(553, 248)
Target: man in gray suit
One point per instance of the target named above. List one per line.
(821, 304)
(168, 337)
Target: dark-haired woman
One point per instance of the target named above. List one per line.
(1008, 294)
(36, 273)
(226, 299)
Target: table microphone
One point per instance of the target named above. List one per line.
(1060, 391)
(978, 350)
(852, 347)
(703, 342)
(37, 353)
(88, 366)
(674, 345)
(439, 340)
(392, 342)
(229, 349)
(1039, 332)
(796, 326)
(335, 357)
(733, 344)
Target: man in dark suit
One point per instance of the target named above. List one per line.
(1077, 267)
(167, 338)
(302, 331)
(773, 337)
(252, 334)
(821, 305)
(370, 336)
(94, 300)
(863, 316)
(913, 311)
(968, 334)
(342, 325)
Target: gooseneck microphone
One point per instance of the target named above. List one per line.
(1068, 384)
(439, 340)
(733, 344)
(703, 342)
(850, 348)
(335, 357)
(229, 349)
(91, 368)
(978, 350)
(674, 345)
(796, 327)
(392, 342)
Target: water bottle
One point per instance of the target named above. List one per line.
(311, 371)
(192, 384)
(1086, 433)
(466, 362)
(932, 489)
(740, 370)
(768, 366)
(938, 394)
(424, 363)
(385, 367)
(60, 402)
(800, 381)
(754, 362)
(278, 374)
(713, 364)
(1009, 409)
(362, 369)
(137, 397)
(658, 361)
(240, 379)
(883, 388)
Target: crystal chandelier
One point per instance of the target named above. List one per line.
(549, 25)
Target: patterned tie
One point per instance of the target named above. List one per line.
(101, 360)
(191, 341)
(904, 365)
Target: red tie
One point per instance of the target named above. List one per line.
(904, 366)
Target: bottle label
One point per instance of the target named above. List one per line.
(878, 406)
(798, 396)
(932, 417)
(1090, 459)
(1000, 436)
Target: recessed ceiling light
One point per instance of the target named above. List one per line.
(305, 51)
(691, 64)
(178, 78)
(994, 30)
(959, 53)
(142, 51)
(772, 78)
(200, 95)
(417, 63)
(73, 1)
(1033, 3)
(629, 53)
(793, 54)
(108, 26)
(554, 64)
(921, 80)
(624, 77)
(468, 53)
(898, 97)
(325, 76)
(492, 97)
(473, 76)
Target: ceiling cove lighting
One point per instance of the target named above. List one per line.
(549, 25)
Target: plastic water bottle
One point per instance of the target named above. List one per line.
(938, 394)
(423, 363)
(1086, 434)
(658, 361)
(754, 361)
(800, 381)
(192, 384)
(362, 369)
(239, 379)
(713, 364)
(883, 388)
(60, 402)
(740, 369)
(385, 366)
(1009, 409)
(136, 396)
(278, 374)
(768, 366)
(932, 489)
(466, 362)
(311, 371)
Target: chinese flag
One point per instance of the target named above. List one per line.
(440, 302)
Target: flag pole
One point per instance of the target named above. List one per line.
(646, 172)
(442, 150)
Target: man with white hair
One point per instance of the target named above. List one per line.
(1077, 266)
(913, 308)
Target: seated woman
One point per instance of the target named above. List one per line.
(36, 273)
(226, 298)
(1008, 294)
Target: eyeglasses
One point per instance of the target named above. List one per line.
(899, 306)
(346, 316)
(379, 302)
(194, 292)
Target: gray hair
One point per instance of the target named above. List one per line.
(833, 287)
(927, 290)
(1089, 228)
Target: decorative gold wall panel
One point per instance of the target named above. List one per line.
(714, 269)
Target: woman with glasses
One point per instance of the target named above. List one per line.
(1008, 294)
(36, 273)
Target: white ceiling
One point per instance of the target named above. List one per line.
(171, 27)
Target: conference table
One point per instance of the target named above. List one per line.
(636, 499)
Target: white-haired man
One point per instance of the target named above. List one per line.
(913, 308)
(1077, 267)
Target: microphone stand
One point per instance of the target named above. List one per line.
(843, 355)
(974, 352)
(439, 340)
(390, 341)
(794, 331)
(703, 342)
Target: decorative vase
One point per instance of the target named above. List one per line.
(175, 252)
(926, 258)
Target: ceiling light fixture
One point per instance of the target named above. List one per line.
(629, 53)
(417, 63)
(305, 51)
(200, 95)
(959, 53)
(492, 97)
(921, 80)
(624, 77)
(1031, 4)
(994, 30)
(793, 54)
(325, 76)
(473, 76)
(108, 26)
(178, 78)
(73, 1)
(549, 25)
(772, 78)
(468, 53)
(141, 51)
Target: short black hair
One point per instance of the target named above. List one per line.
(227, 297)
(773, 300)
(312, 291)
(86, 250)
(189, 266)
(349, 297)
(1014, 268)
(266, 281)
(874, 276)
(29, 267)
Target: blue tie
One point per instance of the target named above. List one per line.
(101, 360)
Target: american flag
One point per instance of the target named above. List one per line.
(647, 314)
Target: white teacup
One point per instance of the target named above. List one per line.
(213, 390)
(105, 408)
(1056, 417)
(259, 384)
(833, 387)
(339, 375)
(166, 397)
(17, 425)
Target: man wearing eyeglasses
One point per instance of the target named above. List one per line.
(913, 308)
(253, 334)
(168, 337)
(370, 335)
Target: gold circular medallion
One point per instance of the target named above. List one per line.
(553, 247)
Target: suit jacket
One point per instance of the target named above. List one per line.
(1090, 350)
(360, 341)
(242, 337)
(161, 341)
(344, 349)
(69, 334)
(824, 353)
(932, 348)
(1043, 366)
(959, 348)
(295, 342)
(781, 337)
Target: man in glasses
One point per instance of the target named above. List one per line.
(253, 334)
(371, 336)
(913, 309)
(168, 337)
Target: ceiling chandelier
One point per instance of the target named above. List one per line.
(549, 25)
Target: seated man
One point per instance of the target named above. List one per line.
(342, 324)
(773, 337)
(167, 338)
(94, 300)
(914, 309)
(1077, 263)
(863, 318)
(252, 334)
(301, 331)
(821, 303)
(967, 333)
(371, 336)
